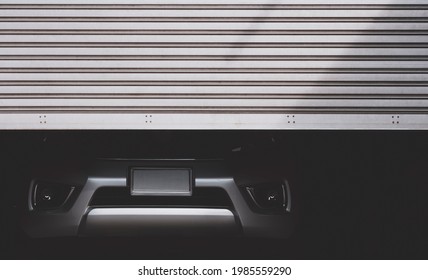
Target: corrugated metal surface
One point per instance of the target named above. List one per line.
(214, 64)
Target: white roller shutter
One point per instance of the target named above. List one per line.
(217, 64)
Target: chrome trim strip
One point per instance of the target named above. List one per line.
(159, 221)
(161, 212)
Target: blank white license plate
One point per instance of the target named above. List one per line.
(161, 181)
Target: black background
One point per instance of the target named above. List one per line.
(362, 194)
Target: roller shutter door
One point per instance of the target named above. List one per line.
(214, 64)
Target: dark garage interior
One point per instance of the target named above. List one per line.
(359, 194)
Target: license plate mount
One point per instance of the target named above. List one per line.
(161, 181)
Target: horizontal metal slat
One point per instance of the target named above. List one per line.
(213, 65)
(212, 77)
(206, 90)
(236, 39)
(207, 13)
(209, 103)
(213, 2)
(135, 120)
(311, 111)
(218, 70)
(221, 52)
(164, 27)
